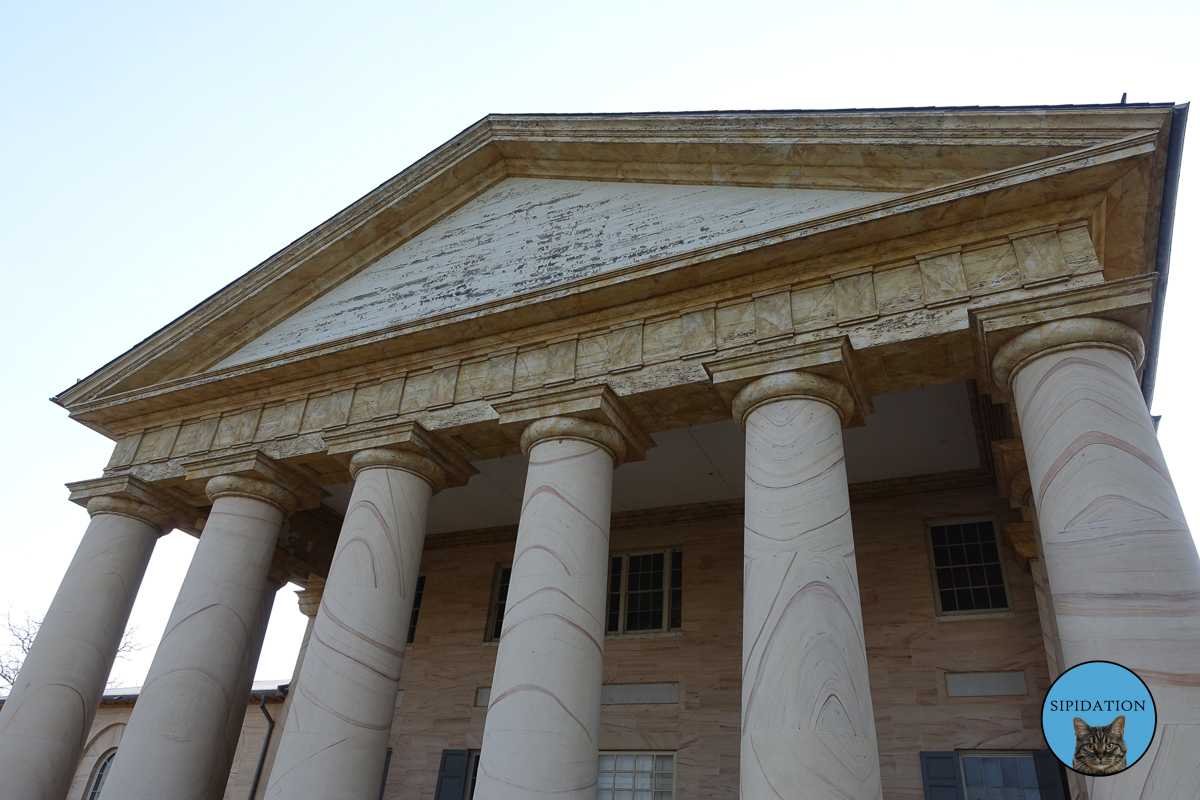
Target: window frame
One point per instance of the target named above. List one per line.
(674, 754)
(494, 602)
(100, 774)
(666, 629)
(942, 615)
(415, 614)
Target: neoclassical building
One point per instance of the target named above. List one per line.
(652, 457)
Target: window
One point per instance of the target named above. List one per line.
(1015, 775)
(636, 776)
(968, 574)
(984, 775)
(495, 624)
(645, 592)
(412, 621)
(102, 770)
(472, 774)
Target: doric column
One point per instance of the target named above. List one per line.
(808, 730)
(542, 734)
(45, 721)
(1122, 567)
(182, 733)
(309, 600)
(335, 737)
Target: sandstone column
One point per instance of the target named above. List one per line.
(542, 734)
(808, 730)
(335, 737)
(1122, 566)
(45, 721)
(181, 736)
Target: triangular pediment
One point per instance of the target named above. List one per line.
(529, 234)
(522, 219)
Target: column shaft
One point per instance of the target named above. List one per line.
(808, 730)
(45, 721)
(181, 737)
(335, 737)
(541, 738)
(1122, 566)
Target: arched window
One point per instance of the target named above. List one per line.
(101, 774)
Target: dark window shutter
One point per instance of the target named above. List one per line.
(387, 764)
(940, 776)
(1051, 775)
(452, 775)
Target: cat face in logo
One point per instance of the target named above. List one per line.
(1099, 750)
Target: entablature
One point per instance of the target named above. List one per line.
(903, 310)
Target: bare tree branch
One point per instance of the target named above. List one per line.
(22, 632)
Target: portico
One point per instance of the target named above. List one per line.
(682, 365)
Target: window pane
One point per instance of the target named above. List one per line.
(416, 609)
(645, 599)
(991, 771)
(625, 762)
(967, 561)
(1014, 794)
(1033, 794)
(629, 796)
(972, 771)
(624, 779)
(641, 796)
(604, 794)
(642, 780)
(605, 779)
(1010, 772)
(501, 602)
(663, 780)
(607, 762)
(1028, 772)
(665, 763)
(614, 596)
(976, 793)
(645, 763)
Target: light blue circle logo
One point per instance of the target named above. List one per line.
(1098, 718)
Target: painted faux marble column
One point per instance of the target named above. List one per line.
(1122, 567)
(335, 737)
(309, 601)
(185, 726)
(542, 734)
(808, 730)
(45, 721)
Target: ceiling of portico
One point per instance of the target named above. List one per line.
(527, 234)
(917, 432)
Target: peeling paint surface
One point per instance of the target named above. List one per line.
(527, 234)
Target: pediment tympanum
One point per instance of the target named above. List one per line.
(529, 234)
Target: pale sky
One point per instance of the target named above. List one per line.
(151, 153)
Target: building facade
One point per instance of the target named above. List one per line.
(642, 457)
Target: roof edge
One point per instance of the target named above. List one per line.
(1162, 253)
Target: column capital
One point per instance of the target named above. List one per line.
(1012, 474)
(255, 474)
(130, 496)
(401, 445)
(591, 413)
(824, 370)
(1116, 314)
(309, 598)
(792, 386)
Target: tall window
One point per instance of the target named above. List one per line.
(105, 766)
(645, 592)
(968, 574)
(412, 621)
(495, 624)
(636, 776)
